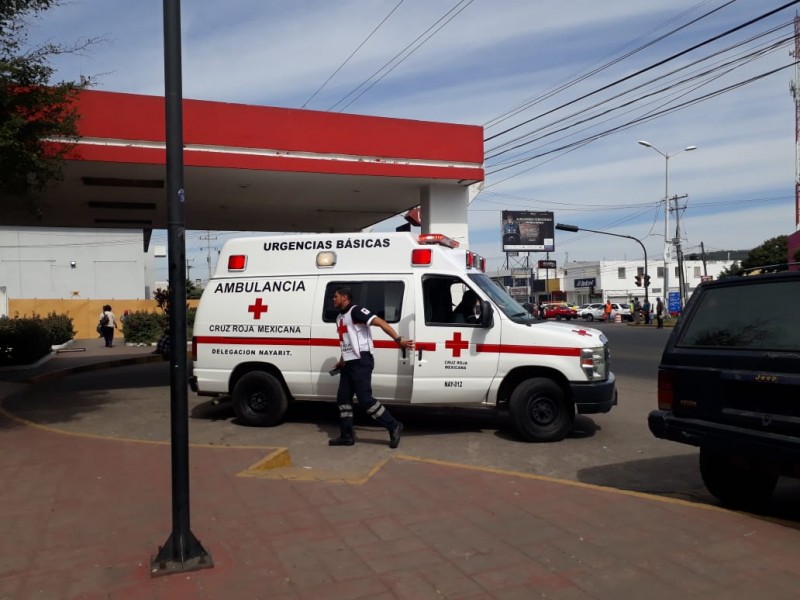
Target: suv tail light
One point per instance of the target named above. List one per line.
(666, 390)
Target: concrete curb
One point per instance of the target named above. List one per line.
(109, 364)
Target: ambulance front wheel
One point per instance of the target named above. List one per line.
(540, 411)
(259, 399)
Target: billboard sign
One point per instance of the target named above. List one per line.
(528, 231)
(547, 264)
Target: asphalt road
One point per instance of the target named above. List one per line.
(614, 449)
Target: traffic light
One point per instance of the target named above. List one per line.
(638, 279)
(647, 281)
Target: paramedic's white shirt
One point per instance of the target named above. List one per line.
(354, 333)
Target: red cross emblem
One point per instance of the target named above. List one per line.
(341, 329)
(456, 344)
(257, 309)
(581, 332)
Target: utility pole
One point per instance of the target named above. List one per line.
(208, 237)
(189, 269)
(794, 89)
(679, 252)
(703, 254)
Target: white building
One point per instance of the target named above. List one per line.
(596, 281)
(75, 263)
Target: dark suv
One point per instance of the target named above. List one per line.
(729, 382)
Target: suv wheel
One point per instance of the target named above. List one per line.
(259, 399)
(733, 485)
(540, 412)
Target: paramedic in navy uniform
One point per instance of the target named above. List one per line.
(356, 363)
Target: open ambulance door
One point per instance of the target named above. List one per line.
(455, 357)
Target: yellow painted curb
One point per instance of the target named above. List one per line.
(272, 469)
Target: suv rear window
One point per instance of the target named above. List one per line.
(757, 317)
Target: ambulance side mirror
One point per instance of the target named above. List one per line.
(487, 314)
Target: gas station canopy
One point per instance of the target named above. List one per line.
(251, 167)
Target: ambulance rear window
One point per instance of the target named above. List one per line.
(384, 298)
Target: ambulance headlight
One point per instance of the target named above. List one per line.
(594, 363)
(326, 260)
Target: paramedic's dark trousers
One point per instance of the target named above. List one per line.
(356, 378)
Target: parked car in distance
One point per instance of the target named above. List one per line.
(596, 311)
(559, 311)
(592, 312)
(624, 310)
(729, 383)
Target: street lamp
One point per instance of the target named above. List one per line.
(666, 208)
(574, 228)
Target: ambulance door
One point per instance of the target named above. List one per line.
(448, 368)
(391, 297)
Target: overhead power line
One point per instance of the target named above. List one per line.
(570, 83)
(649, 117)
(648, 68)
(353, 53)
(711, 73)
(451, 14)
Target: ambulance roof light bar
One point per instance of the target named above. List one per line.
(437, 238)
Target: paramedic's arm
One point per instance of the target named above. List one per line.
(389, 330)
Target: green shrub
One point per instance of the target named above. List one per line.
(23, 340)
(144, 327)
(59, 328)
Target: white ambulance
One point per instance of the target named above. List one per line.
(265, 332)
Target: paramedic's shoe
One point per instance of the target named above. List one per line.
(394, 436)
(342, 440)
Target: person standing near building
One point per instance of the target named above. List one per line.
(607, 310)
(356, 364)
(646, 311)
(659, 314)
(108, 323)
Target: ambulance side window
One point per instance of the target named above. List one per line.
(384, 298)
(446, 301)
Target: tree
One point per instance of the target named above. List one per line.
(192, 290)
(731, 271)
(769, 257)
(32, 108)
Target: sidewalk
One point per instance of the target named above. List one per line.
(77, 356)
(80, 517)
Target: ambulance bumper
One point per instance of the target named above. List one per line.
(596, 396)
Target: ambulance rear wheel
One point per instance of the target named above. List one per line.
(259, 399)
(540, 412)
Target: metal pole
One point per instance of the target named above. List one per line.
(666, 228)
(574, 228)
(182, 551)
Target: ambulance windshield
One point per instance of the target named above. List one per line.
(510, 307)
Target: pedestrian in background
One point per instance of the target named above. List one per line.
(607, 310)
(637, 310)
(659, 314)
(108, 323)
(646, 310)
(355, 366)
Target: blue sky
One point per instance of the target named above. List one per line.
(492, 57)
